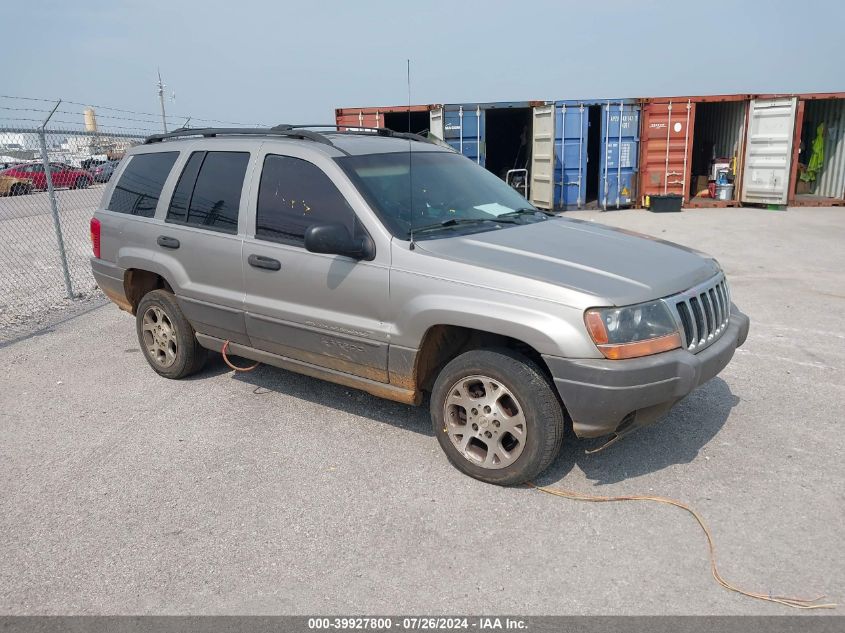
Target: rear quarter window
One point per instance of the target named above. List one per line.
(139, 188)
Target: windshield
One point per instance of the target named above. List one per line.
(444, 188)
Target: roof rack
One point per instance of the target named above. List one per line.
(207, 132)
(358, 129)
(291, 131)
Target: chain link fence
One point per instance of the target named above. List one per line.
(56, 159)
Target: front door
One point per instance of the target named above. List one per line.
(324, 310)
(60, 174)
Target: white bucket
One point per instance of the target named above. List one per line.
(724, 192)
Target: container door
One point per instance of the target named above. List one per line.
(667, 140)
(435, 123)
(542, 157)
(571, 126)
(464, 131)
(768, 150)
(619, 156)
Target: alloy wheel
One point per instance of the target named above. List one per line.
(159, 336)
(485, 422)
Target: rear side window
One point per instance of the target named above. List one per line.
(139, 187)
(293, 195)
(208, 194)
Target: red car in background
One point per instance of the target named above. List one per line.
(63, 175)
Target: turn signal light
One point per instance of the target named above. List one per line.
(641, 348)
(595, 326)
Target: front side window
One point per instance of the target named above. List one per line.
(208, 194)
(138, 190)
(293, 195)
(434, 189)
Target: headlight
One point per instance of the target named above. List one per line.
(632, 331)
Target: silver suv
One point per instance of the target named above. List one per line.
(390, 264)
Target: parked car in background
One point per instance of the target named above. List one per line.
(90, 163)
(14, 186)
(63, 175)
(103, 172)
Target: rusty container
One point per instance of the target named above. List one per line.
(680, 137)
(395, 118)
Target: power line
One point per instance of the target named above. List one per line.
(174, 117)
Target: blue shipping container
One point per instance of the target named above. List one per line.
(596, 152)
(464, 130)
(466, 126)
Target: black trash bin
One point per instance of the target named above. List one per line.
(666, 204)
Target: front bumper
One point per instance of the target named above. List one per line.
(617, 396)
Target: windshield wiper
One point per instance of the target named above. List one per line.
(452, 222)
(525, 211)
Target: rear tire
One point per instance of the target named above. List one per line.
(496, 416)
(81, 183)
(167, 339)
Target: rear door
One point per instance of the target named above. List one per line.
(543, 157)
(768, 150)
(200, 241)
(325, 310)
(619, 156)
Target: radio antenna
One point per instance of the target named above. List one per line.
(410, 161)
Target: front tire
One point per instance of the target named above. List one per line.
(81, 183)
(496, 416)
(167, 339)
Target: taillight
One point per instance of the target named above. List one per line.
(95, 237)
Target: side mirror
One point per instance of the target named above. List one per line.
(334, 239)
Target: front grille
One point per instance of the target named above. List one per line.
(703, 312)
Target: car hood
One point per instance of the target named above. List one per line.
(619, 266)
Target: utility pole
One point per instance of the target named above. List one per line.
(161, 88)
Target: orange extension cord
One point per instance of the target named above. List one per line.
(796, 603)
(229, 363)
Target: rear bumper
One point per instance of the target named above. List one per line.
(109, 278)
(601, 394)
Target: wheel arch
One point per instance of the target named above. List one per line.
(137, 282)
(443, 342)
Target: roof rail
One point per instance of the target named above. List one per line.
(358, 129)
(291, 131)
(207, 132)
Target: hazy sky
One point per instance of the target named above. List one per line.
(273, 62)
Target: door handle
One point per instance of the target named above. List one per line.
(167, 242)
(268, 263)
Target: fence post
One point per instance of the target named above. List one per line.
(54, 205)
